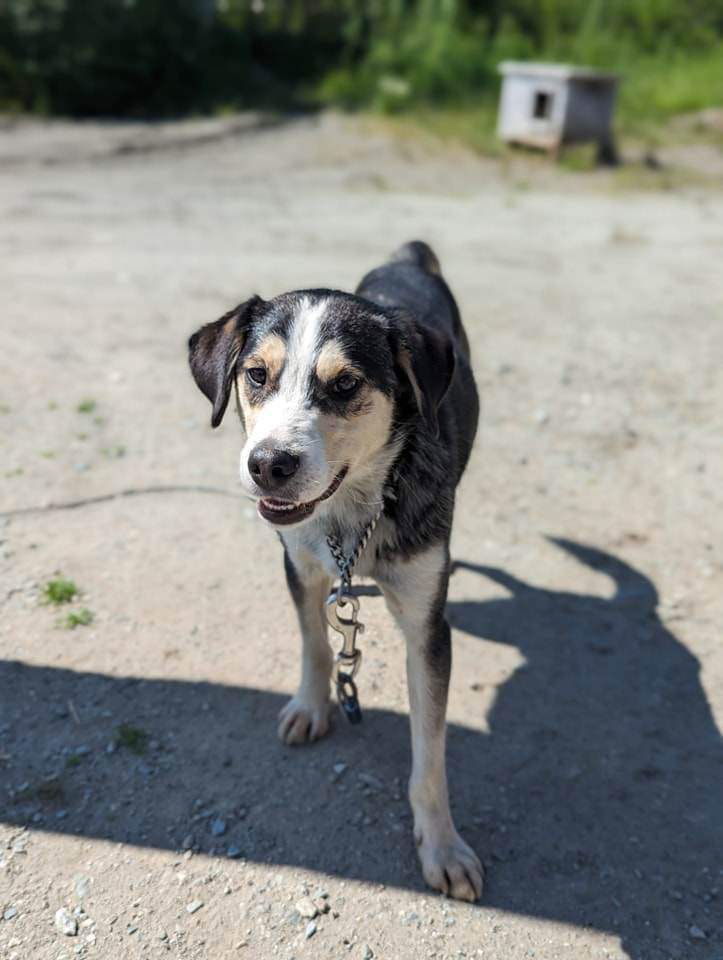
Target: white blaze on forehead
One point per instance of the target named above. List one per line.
(303, 347)
(286, 418)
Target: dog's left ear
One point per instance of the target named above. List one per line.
(213, 351)
(425, 357)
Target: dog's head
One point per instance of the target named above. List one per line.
(324, 380)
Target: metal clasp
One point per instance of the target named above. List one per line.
(348, 627)
(348, 659)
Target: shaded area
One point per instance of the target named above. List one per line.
(594, 799)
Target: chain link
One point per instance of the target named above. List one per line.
(345, 564)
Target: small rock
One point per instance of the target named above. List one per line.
(218, 827)
(369, 780)
(81, 886)
(367, 952)
(193, 906)
(322, 906)
(10, 913)
(696, 933)
(541, 417)
(310, 930)
(187, 842)
(306, 908)
(66, 923)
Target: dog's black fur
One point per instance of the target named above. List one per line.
(422, 312)
(403, 331)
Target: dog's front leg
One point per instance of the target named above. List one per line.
(416, 596)
(306, 716)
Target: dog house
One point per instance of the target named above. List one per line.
(545, 105)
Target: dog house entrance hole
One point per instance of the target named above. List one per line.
(542, 107)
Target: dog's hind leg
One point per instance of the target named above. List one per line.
(306, 716)
(448, 863)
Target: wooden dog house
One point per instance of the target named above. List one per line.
(546, 105)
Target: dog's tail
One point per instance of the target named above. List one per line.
(420, 254)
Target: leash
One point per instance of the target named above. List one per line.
(348, 659)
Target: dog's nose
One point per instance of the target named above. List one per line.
(271, 468)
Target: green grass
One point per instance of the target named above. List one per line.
(77, 618)
(86, 406)
(59, 591)
(652, 90)
(131, 738)
(579, 158)
(470, 125)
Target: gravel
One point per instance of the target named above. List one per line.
(306, 908)
(66, 923)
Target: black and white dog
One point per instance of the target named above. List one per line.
(351, 404)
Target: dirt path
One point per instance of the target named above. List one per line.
(140, 775)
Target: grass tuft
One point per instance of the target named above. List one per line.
(59, 591)
(132, 738)
(77, 618)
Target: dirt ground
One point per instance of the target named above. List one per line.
(142, 787)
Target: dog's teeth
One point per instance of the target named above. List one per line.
(279, 507)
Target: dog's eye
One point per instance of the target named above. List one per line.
(257, 376)
(345, 385)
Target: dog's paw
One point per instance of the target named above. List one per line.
(451, 866)
(301, 722)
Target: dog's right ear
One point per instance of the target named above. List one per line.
(213, 351)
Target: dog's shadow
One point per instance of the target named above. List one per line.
(594, 799)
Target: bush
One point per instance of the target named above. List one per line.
(149, 58)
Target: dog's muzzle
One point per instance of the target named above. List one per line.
(282, 512)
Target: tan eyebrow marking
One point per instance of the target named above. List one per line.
(271, 352)
(332, 361)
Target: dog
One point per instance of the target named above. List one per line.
(355, 405)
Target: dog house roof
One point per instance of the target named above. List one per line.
(554, 71)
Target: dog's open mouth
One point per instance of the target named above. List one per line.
(286, 511)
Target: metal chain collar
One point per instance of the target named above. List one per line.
(348, 659)
(346, 564)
